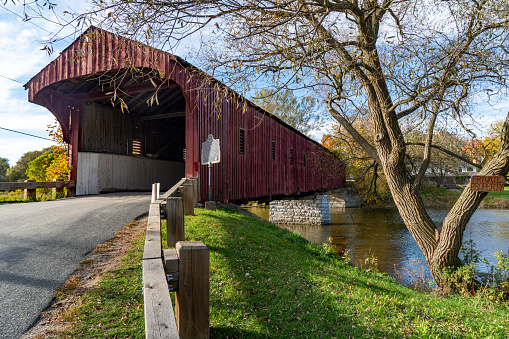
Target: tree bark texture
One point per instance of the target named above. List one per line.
(440, 248)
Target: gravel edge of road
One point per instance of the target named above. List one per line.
(104, 258)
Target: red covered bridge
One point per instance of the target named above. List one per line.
(164, 108)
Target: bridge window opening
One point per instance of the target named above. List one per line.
(291, 156)
(242, 135)
(136, 147)
(273, 151)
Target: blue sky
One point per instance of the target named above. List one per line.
(21, 58)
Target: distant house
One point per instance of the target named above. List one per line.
(164, 108)
(449, 176)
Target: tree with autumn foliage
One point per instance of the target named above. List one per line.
(368, 177)
(480, 151)
(483, 151)
(37, 168)
(491, 143)
(59, 167)
(475, 150)
(54, 163)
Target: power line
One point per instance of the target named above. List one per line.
(3, 76)
(33, 23)
(24, 19)
(30, 135)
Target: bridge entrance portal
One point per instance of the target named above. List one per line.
(130, 127)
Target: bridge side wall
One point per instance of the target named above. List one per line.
(102, 173)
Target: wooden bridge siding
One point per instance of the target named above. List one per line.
(241, 176)
(106, 130)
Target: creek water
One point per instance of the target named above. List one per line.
(382, 233)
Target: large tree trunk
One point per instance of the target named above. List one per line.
(441, 248)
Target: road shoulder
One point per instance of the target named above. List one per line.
(104, 258)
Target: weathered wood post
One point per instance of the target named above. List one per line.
(30, 193)
(187, 193)
(58, 190)
(171, 267)
(158, 310)
(194, 181)
(175, 221)
(192, 297)
(155, 192)
(198, 179)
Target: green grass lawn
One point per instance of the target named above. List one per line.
(266, 282)
(504, 194)
(17, 196)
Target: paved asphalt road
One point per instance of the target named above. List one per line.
(41, 244)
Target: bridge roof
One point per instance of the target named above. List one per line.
(104, 67)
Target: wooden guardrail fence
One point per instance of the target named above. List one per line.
(183, 269)
(30, 186)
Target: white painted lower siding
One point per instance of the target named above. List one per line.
(101, 172)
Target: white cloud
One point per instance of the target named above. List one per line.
(23, 57)
(29, 120)
(20, 59)
(325, 128)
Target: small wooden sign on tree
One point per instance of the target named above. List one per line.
(487, 183)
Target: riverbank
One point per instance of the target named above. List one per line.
(445, 198)
(266, 282)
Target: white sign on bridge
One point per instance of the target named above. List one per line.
(487, 183)
(210, 153)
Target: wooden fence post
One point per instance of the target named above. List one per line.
(155, 192)
(198, 179)
(30, 193)
(58, 190)
(192, 297)
(194, 181)
(174, 221)
(188, 198)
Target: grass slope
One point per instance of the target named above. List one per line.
(266, 282)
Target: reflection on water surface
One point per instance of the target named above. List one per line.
(383, 233)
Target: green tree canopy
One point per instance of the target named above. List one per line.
(17, 172)
(300, 113)
(4, 166)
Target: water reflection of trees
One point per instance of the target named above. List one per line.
(379, 232)
(382, 232)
